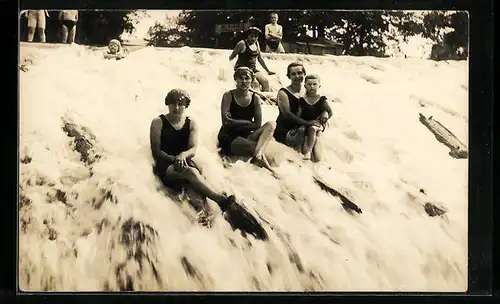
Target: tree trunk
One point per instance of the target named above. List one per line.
(321, 31)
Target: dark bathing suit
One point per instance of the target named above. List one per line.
(229, 133)
(283, 124)
(173, 142)
(312, 112)
(273, 44)
(248, 58)
(69, 24)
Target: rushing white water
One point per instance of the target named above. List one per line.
(104, 224)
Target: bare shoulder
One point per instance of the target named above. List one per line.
(282, 94)
(156, 122)
(257, 99)
(193, 125)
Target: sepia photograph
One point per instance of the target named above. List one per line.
(243, 150)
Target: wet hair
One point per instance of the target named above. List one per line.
(273, 14)
(240, 71)
(312, 76)
(292, 65)
(178, 95)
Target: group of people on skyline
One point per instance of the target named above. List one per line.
(37, 23)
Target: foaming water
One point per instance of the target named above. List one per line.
(93, 217)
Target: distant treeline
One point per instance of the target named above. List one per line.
(360, 32)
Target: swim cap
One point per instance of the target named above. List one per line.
(178, 95)
(254, 30)
(243, 70)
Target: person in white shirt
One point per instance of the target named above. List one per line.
(274, 35)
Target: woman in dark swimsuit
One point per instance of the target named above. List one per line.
(288, 124)
(248, 52)
(174, 138)
(242, 133)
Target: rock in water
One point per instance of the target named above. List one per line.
(239, 218)
(346, 203)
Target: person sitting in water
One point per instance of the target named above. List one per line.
(274, 35)
(248, 52)
(313, 108)
(288, 131)
(115, 50)
(242, 133)
(174, 139)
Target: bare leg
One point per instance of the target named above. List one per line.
(64, 34)
(196, 180)
(72, 34)
(41, 34)
(31, 34)
(245, 147)
(262, 79)
(309, 142)
(317, 150)
(262, 136)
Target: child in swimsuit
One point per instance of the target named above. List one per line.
(313, 108)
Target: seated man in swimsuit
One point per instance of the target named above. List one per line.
(115, 50)
(313, 108)
(248, 52)
(242, 133)
(68, 18)
(274, 34)
(288, 131)
(174, 138)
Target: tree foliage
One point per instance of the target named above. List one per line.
(362, 33)
(98, 27)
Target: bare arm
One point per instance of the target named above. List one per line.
(328, 109)
(284, 106)
(155, 141)
(278, 35)
(226, 119)
(261, 60)
(193, 140)
(239, 48)
(280, 32)
(76, 16)
(60, 15)
(267, 32)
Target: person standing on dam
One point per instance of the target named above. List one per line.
(36, 20)
(248, 52)
(274, 34)
(69, 19)
(174, 140)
